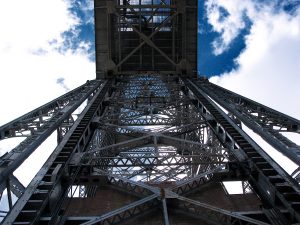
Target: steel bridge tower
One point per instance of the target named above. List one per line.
(154, 144)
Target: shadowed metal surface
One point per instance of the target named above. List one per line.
(146, 35)
(151, 145)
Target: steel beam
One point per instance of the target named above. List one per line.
(266, 176)
(48, 180)
(126, 212)
(191, 184)
(146, 39)
(125, 181)
(266, 122)
(150, 134)
(168, 162)
(165, 212)
(16, 186)
(151, 161)
(41, 123)
(214, 214)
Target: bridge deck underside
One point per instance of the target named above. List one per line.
(151, 139)
(149, 148)
(107, 198)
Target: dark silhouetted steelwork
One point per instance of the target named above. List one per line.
(152, 144)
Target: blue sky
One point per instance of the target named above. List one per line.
(210, 64)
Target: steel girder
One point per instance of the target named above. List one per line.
(167, 144)
(151, 142)
(162, 165)
(39, 124)
(146, 35)
(45, 188)
(15, 186)
(211, 214)
(125, 212)
(156, 137)
(31, 122)
(266, 122)
(148, 202)
(269, 180)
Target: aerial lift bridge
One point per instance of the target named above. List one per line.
(155, 143)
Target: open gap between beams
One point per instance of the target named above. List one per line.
(288, 165)
(236, 187)
(28, 169)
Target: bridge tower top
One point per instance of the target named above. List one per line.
(134, 36)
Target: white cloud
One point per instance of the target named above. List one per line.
(31, 34)
(228, 26)
(87, 7)
(31, 63)
(269, 67)
(235, 19)
(31, 24)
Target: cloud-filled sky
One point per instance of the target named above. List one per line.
(267, 69)
(248, 46)
(46, 49)
(43, 50)
(252, 47)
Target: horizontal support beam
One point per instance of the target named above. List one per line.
(140, 7)
(155, 161)
(134, 183)
(126, 212)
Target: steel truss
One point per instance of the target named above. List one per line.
(146, 35)
(160, 140)
(150, 147)
(267, 122)
(36, 126)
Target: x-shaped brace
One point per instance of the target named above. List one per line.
(147, 39)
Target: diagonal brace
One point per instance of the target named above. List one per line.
(126, 211)
(151, 35)
(148, 41)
